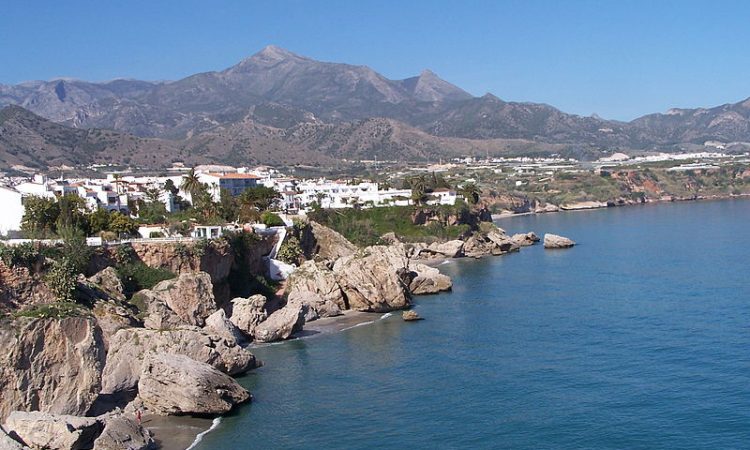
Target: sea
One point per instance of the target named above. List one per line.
(637, 338)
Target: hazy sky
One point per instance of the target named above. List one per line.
(619, 60)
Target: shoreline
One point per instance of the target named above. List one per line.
(654, 202)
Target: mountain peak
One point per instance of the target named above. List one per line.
(273, 51)
(427, 86)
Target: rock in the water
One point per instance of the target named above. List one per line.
(316, 278)
(247, 313)
(176, 385)
(371, 282)
(410, 316)
(123, 433)
(130, 347)
(282, 323)
(428, 280)
(219, 324)
(555, 241)
(49, 431)
(51, 365)
(524, 239)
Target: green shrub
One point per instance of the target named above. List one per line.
(61, 280)
(136, 275)
(290, 251)
(58, 310)
(271, 219)
(22, 255)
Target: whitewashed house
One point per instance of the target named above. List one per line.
(11, 204)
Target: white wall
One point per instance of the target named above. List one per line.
(12, 210)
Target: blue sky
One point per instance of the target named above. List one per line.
(617, 59)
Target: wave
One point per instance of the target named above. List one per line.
(200, 435)
(385, 316)
(447, 261)
(358, 325)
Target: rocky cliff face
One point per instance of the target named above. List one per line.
(20, 287)
(51, 365)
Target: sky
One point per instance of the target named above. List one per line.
(617, 59)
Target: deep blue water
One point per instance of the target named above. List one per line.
(637, 338)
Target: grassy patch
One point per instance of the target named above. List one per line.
(57, 310)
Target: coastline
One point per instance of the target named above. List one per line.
(608, 205)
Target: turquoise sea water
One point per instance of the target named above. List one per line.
(637, 338)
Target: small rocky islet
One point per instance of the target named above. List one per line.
(82, 378)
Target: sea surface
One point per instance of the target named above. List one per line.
(638, 338)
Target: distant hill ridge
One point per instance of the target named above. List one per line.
(280, 107)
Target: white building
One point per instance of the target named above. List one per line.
(235, 183)
(11, 203)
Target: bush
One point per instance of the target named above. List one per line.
(23, 255)
(290, 251)
(271, 219)
(61, 280)
(136, 275)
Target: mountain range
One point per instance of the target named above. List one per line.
(277, 107)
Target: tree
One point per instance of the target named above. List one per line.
(228, 207)
(169, 186)
(191, 183)
(39, 217)
(152, 210)
(99, 221)
(76, 250)
(123, 225)
(260, 197)
(73, 213)
(418, 186)
(471, 192)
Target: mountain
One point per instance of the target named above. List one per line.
(279, 107)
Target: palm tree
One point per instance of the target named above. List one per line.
(191, 183)
(471, 192)
(418, 186)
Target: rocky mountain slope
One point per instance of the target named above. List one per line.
(282, 108)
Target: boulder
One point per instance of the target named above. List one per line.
(315, 305)
(158, 316)
(51, 365)
(282, 323)
(123, 433)
(410, 316)
(428, 280)
(247, 313)
(113, 316)
(322, 242)
(524, 239)
(316, 278)
(129, 348)
(8, 443)
(450, 249)
(553, 241)
(175, 385)
(495, 243)
(370, 280)
(50, 431)
(219, 324)
(109, 281)
(190, 296)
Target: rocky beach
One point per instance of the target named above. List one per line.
(83, 377)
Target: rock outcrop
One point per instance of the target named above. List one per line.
(370, 281)
(176, 385)
(450, 249)
(495, 243)
(410, 316)
(524, 239)
(8, 443)
(317, 278)
(185, 300)
(51, 365)
(554, 241)
(129, 349)
(248, 313)
(219, 324)
(123, 433)
(49, 431)
(282, 323)
(428, 280)
(315, 305)
(113, 316)
(109, 281)
(20, 287)
(324, 243)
